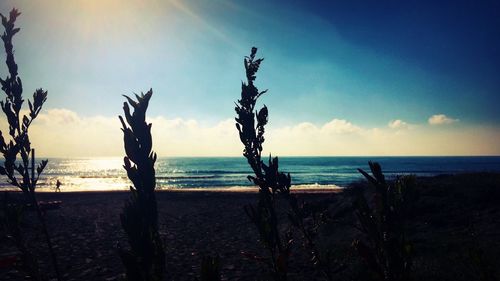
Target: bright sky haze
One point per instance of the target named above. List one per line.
(344, 77)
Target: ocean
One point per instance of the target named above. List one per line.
(100, 174)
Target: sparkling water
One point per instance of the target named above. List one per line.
(93, 174)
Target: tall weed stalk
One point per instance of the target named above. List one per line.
(22, 174)
(273, 183)
(250, 125)
(145, 259)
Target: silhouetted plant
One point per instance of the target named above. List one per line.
(145, 260)
(250, 126)
(272, 182)
(21, 174)
(383, 221)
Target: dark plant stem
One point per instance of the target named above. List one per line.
(41, 218)
(27, 258)
(11, 220)
(19, 145)
(314, 251)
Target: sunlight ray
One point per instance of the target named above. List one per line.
(203, 23)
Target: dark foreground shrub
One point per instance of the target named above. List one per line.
(145, 259)
(383, 221)
(21, 173)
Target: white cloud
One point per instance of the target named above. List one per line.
(440, 119)
(64, 133)
(340, 126)
(398, 124)
(59, 116)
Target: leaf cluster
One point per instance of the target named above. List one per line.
(251, 134)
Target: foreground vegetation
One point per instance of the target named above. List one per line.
(21, 173)
(454, 231)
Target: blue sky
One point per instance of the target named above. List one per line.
(366, 62)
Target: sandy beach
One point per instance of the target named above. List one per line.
(86, 231)
(454, 212)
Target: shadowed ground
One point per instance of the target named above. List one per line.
(456, 230)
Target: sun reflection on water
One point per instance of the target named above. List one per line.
(85, 174)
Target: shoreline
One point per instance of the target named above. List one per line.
(239, 189)
(299, 188)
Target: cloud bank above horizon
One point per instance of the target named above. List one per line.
(64, 133)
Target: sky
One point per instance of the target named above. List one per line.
(344, 77)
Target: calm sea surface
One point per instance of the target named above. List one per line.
(314, 172)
